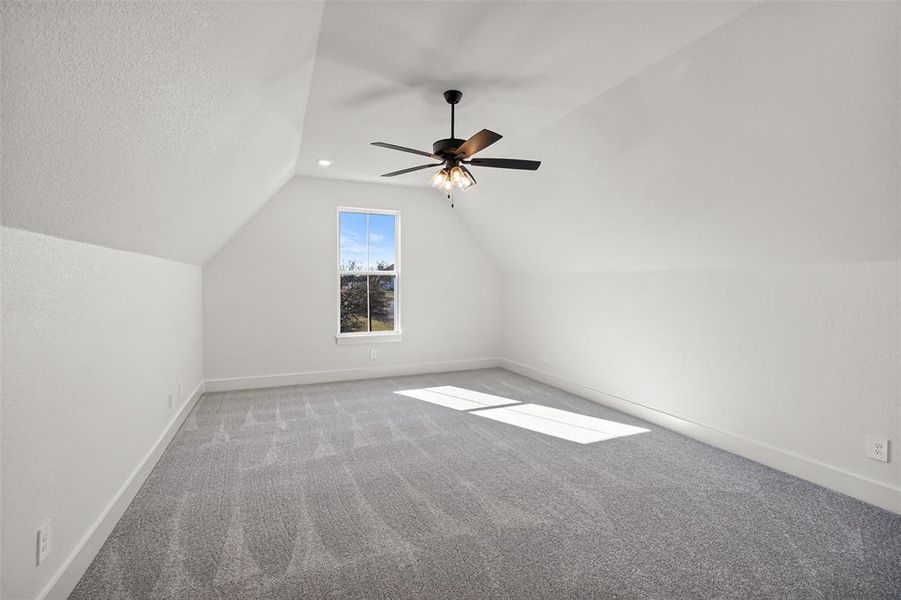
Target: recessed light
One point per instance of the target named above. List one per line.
(323, 162)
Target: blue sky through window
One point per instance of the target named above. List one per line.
(381, 240)
(354, 246)
(353, 240)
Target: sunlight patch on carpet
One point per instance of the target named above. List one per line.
(456, 398)
(559, 423)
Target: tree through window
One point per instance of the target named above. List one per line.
(367, 271)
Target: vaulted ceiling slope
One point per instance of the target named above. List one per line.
(161, 127)
(154, 127)
(774, 139)
(381, 69)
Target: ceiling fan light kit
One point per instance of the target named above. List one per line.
(454, 154)
(455, 178)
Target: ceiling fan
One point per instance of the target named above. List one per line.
(455, 154)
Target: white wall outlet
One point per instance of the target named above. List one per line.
(545, 358)
(170, 400)
(43, 547)
(877, 447)
(373, 354)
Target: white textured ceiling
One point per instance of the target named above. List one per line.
(162, 127)
(381, 69)
(773, 139)
(154, 127)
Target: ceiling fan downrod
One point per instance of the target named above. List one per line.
(453, 97)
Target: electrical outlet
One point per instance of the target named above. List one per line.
(545, 358)
(181, 391)
(43, 547)
(877, 447)
(373, 354)
(170, 400)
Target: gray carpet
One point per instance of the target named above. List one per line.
(348, 490)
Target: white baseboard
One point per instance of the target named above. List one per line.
(266, 381)
(66, 578)
(834, 478)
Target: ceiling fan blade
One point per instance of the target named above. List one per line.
(411, 169)
(403, 149)
(478, 142)
(506, 163)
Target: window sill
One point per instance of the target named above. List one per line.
(368, 338)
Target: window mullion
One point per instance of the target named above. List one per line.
(368, 267)
(361, 273)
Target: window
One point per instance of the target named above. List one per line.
(368, 273)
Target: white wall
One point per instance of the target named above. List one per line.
(728, 252)
(804, 359)
(270, 293)
(94, 340)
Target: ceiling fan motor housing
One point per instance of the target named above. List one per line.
(447, 147)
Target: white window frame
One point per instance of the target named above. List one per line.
(367, 337)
